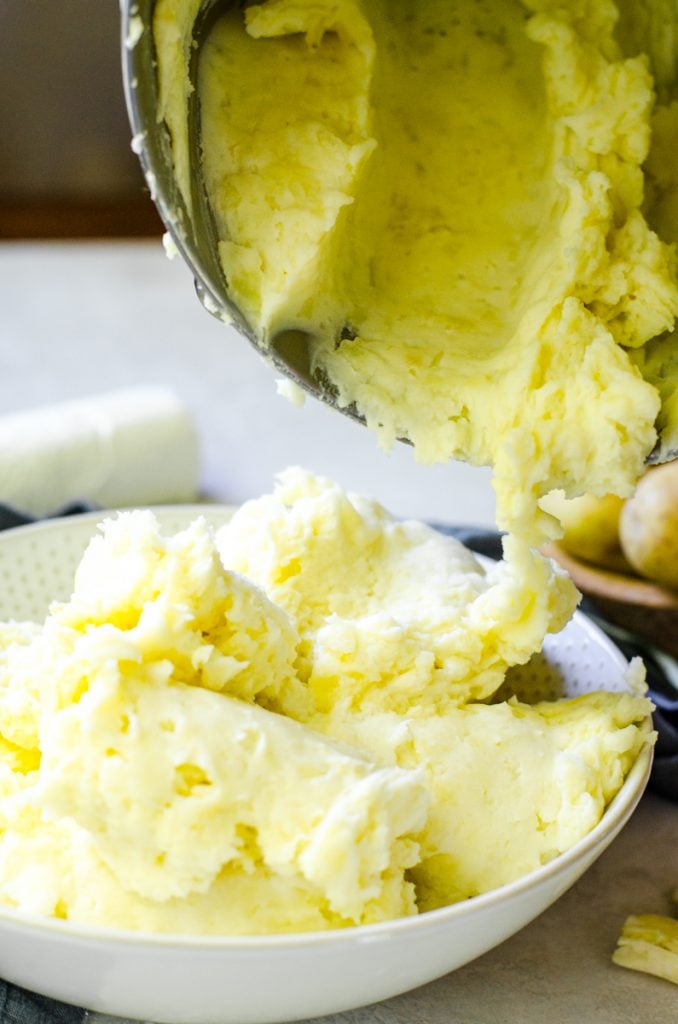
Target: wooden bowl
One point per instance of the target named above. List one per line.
(636, 604)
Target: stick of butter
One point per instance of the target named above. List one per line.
(136, 446)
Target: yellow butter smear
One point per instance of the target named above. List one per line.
(293, 724)
(467, 206)
(649, 943)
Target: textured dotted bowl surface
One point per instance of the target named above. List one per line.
(284, 978)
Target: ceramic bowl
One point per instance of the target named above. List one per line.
(637, 605)
(221, 980)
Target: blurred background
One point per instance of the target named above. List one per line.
(66, 168)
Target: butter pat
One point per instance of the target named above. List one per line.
(132, 447)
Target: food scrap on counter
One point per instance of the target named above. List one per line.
(649, 943)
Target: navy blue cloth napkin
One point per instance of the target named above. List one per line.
(11, 517)
(18, 1006)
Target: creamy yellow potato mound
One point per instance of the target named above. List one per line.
(277, 728)
(469, 208)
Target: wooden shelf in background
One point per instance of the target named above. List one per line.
(68, 218)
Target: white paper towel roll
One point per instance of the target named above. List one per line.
(133, 447)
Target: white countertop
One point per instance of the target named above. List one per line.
(82, 318)
(76, 319)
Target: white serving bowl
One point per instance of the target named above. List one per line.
(257, 980)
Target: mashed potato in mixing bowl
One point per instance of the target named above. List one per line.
(467, 208)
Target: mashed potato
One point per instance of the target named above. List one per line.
(277, 728)
(141, 784)
(468, 211)
(467, 208)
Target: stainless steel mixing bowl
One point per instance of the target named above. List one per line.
(194, 232)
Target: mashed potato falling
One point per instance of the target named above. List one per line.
(391, 615)
(186, 749)
(467, 208)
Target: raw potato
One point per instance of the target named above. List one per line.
(648, 526)
(591, 527)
